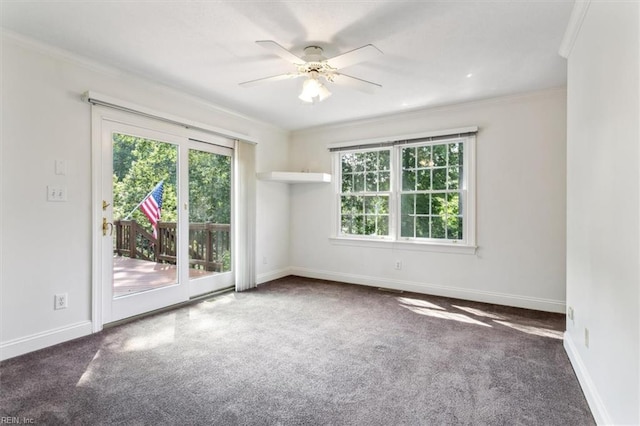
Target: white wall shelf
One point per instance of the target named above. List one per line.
(295, 177)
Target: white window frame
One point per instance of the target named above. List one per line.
(467, 245)
(390, 194)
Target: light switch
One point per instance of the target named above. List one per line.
(61, 167)
(56, 193)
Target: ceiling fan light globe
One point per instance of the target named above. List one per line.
(311, 87)
(305, 97)
(323, 93)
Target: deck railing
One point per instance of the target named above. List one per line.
(209, 243)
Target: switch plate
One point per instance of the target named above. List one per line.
(61, 167)
(56, 193)
(586, 337)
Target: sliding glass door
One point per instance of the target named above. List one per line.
(166, 219)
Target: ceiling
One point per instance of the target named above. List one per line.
(435, 52)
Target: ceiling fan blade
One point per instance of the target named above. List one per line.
(354, 56)
(280, 51)
(356, 83)
(258, 81)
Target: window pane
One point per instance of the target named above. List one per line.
(384, 181)
(406, 225)
(453, 181)
(383, 225)
(371, 160)
(439, 155)
(370, 225)
(370, 205)
(455, 154)
(358, 205)
(454, 228)
(346, 205)
(347, 182)
(439, 179)
(422, 227)
(424, 156)
(145, 249)
(453, 204)
(408, 180)
(358, 225)
(358, 163)
(438, 204)
(384, 160)
(408, 158)
(408, 204)
(345, 224)
(422, 204)
(352, 205)
(424, 179)
(371, 182)
(209, 213)
(347, 163)
(358, 182)
(437, 227)
(383, 205)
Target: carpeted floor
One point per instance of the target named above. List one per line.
(306, 352)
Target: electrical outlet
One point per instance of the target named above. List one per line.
(264, 260)
(398, 265)
(586, 337)
(61, 301)
(570, 313)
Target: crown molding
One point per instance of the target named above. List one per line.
(573, 28)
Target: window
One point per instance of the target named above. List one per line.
(431, 192)
(366, 189)
(416, 190)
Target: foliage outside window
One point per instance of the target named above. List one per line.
(431, 191)
(366, 186)
(405, 192)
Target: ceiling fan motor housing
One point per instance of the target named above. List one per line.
(313, 54)
(315, 63)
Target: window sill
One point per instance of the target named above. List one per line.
(456, 248)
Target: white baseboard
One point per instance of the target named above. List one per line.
(539, 304)
(272, 275)
(23, 345)
(598, 409)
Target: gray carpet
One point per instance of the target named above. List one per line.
(306, 352)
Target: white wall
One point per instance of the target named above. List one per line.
(520, 206)
(46, 247)
(603, 212)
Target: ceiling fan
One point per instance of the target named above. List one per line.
(314, 66)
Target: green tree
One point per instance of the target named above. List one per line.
(209, 187)
(138, 165)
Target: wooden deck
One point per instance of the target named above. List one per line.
(136, 275)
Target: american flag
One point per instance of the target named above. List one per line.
(152, 205)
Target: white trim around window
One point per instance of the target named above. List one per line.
(457, 235)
